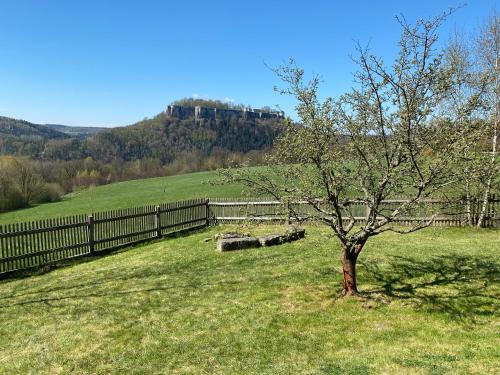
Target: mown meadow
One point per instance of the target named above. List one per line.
(429, 305)
(135, 193)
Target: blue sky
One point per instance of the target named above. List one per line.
(112, 63)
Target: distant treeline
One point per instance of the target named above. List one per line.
(25, 182)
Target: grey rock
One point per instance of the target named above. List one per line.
(229, 244)
(295, 233)
(272, 239)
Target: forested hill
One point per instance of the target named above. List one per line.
(21, 128)
(19, 137)
(190, 129)
(167, 137)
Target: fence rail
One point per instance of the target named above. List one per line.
(33, 244)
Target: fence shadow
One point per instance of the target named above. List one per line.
(461, 286)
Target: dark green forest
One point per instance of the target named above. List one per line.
(162, 137)
(166, 139)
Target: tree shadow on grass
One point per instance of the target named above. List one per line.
(71, 293)
(183, 275)
(183, 269)
(461, 286)
(49, 300)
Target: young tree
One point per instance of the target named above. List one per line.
(17, 175)
(488, 46)
(475, 101)
(385, 138)
(465, 95)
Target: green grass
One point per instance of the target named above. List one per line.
(179, 307)
(127, 194)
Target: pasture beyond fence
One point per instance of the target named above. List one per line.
(34, 244)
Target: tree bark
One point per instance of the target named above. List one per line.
(468, 205)
(349, 271)
(349, 259)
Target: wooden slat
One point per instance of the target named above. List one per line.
(28, 255)
(182, 223)
(15, 232)
(123, 236)
(179, 207)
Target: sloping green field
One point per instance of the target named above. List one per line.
(179, 307)
(128, 194)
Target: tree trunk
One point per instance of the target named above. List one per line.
(468, 210)
(350, 254)
(491, 175)
(349, 271)
(468, 205)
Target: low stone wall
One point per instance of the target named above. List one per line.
(238, 241)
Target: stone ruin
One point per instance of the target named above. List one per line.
(238, 241)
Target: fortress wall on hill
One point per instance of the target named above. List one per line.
(217, 113)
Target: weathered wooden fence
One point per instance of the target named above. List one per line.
(38, 243)
(449, 214)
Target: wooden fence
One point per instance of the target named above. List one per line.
(450, 214)
(38, 243)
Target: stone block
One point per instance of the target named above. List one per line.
(272, 239)
(295, 233)
(229, 244)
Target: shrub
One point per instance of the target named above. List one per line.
(12, 199)
(50, 192)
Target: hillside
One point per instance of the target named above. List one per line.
(182, 139)
(19, 137)
(28, 130)
(23, 138)
(195, 129)
(127, 194)
(184, 131)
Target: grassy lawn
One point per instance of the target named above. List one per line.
(127, 194)
(179, 307)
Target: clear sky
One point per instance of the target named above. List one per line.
(111, 63)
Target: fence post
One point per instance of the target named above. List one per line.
(90, 234)
(158, 222)
(207, 212)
